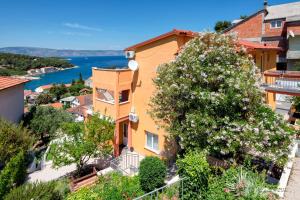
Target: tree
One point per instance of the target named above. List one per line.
(47, 120)
(43, 99)
(222, 25)
(243, 16)
(209, 98)
(152, 173)
(13, 139)
(80, 80)
(80, 143)
(14, 173)
(58, 90)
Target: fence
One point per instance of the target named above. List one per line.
(172, 191)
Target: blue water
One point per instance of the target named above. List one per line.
(84, 64)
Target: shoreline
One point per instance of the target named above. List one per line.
(36, 76)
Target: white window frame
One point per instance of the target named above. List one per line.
(276, 24)
(151, 148)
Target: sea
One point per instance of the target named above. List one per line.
(83, 65)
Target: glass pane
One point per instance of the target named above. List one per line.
(273, 24)
(279, 24)
(155, 142)
(149, 140)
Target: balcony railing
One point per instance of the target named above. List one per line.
(282, 82)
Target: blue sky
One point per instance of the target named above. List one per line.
(110, 24)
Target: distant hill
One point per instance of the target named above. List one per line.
(45, 52)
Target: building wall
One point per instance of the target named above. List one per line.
(12, 103)
(272, 32)
(251, 29)
(149, 58)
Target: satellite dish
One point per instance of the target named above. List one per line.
(133, 65)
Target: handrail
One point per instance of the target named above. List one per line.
(156, 191)
(282, 73)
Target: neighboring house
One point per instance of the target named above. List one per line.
(56, 105)
(46, 88)
(12, 98)
(82, 100)
(88, 82)
(81, 107)
(67, 100)
(277, 25)
(30, 96)
(124, 95)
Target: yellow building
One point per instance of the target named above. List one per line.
(124, 94)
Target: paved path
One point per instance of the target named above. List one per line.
(293, 188)
(49, 173)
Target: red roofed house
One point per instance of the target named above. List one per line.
(12, 98)
(277, 25)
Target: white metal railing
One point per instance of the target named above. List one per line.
(127, 163)
(175, 190)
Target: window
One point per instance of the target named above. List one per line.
(124, 96)
(151, 141)
(276, 24)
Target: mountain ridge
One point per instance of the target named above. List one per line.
(48, 52)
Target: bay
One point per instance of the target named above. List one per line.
(83, 65)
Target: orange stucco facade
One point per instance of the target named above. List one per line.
(149, 55)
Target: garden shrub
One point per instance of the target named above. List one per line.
(113, 186)
(240, 183)
(13, 139)
(35, 191)
(210, 98)
(195, 170)
(152, 173)
(13, 174)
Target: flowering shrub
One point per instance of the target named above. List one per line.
(210, 98)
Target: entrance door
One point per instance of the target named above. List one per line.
(125, 134)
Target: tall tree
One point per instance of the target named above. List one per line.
(222, 25)
(210, 98)
(81, 142)
(47, 120)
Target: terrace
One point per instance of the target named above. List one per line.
(282, 82)
(112, 91)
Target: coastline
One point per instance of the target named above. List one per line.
(35, 76)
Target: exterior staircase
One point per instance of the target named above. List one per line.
(127, 163)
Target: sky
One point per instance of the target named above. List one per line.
(110, 24)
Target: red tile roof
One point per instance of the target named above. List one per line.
(7, 82)
(173, 32)
(85, 99)
(56, 105)
(256, 45)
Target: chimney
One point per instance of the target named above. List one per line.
(265, 4)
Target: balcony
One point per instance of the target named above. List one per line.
(112, 92)
(282, 82)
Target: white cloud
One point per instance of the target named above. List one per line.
(82, 27)
(77, 34)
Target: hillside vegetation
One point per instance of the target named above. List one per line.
(16, 64)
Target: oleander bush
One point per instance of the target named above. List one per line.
(210, 98)
(152, 173)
